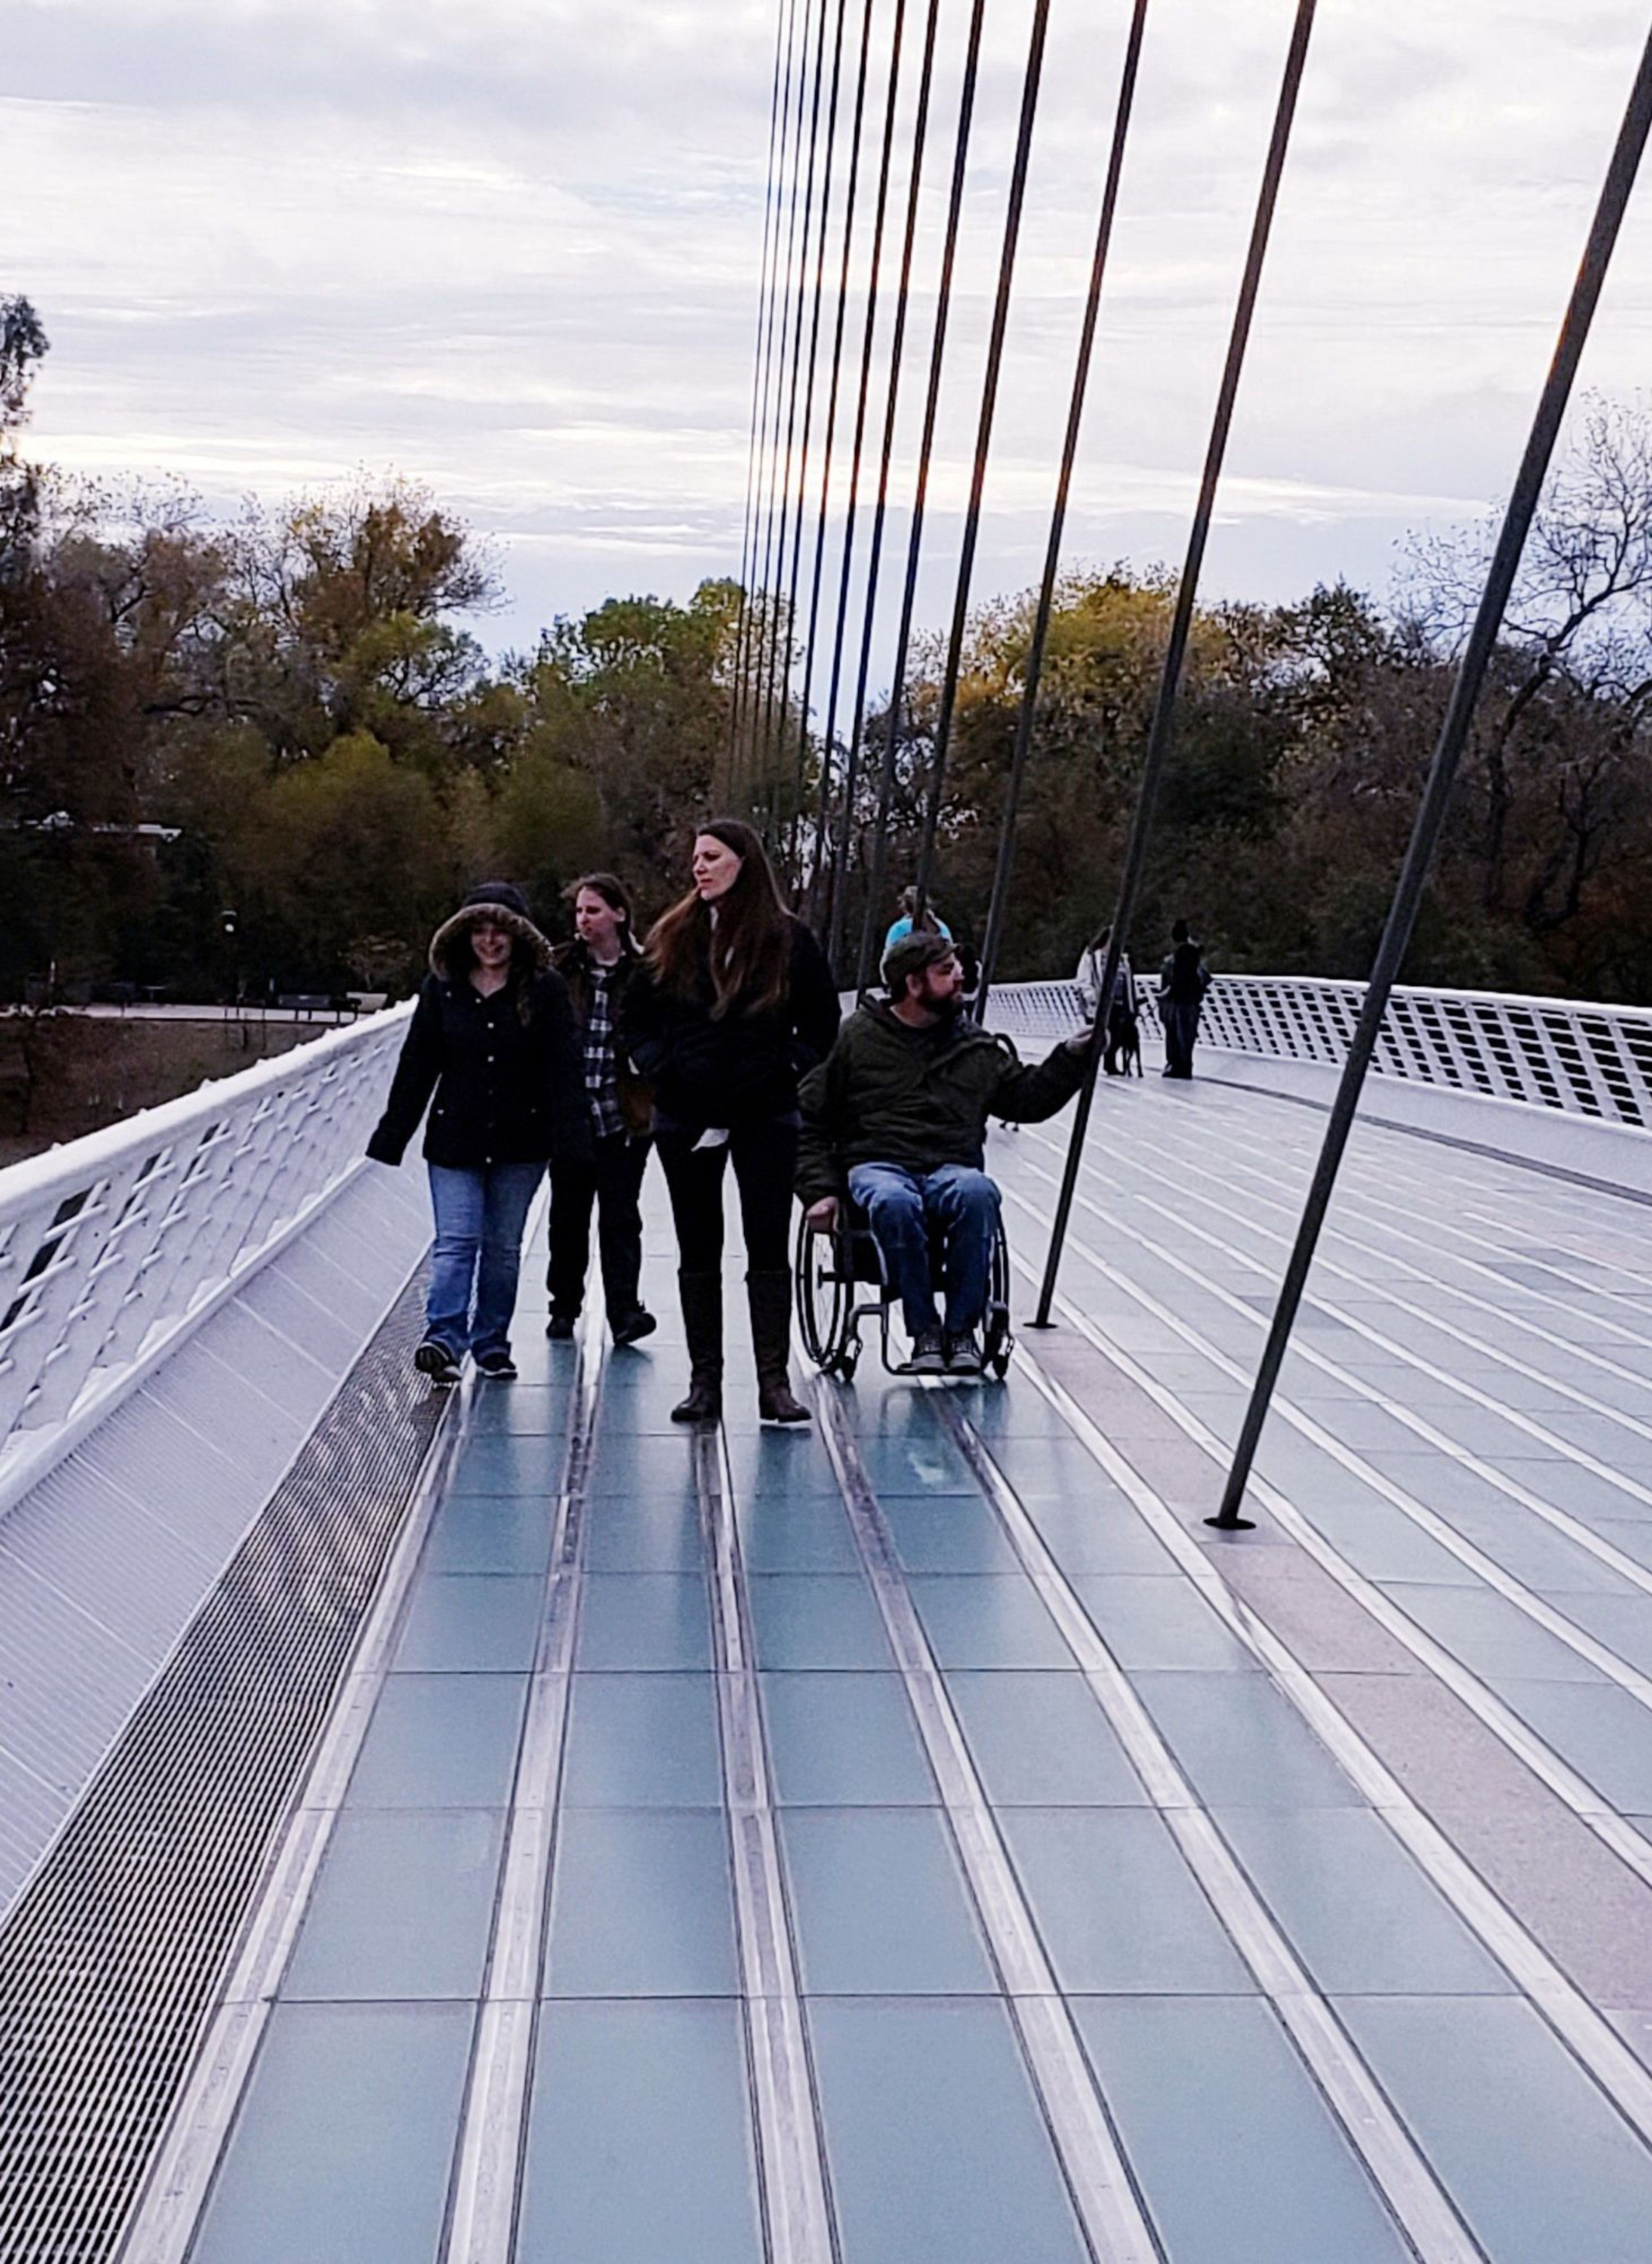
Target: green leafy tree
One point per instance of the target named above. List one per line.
(634, 694)
(356, 849)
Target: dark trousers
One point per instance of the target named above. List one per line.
(1180, 1017)
(612, 1181)
(764, 1160)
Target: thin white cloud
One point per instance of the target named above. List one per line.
(513, 249)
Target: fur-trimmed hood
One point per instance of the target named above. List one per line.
(485, 908)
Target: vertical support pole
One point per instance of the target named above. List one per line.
(874, 549)
(914, 543)
(1159, 732)
(754, 454)
(796, 850)
(983, 442)
(779, 641)
(1027, 714)
(822, 885)
(774, 393)
(789, 658)
(1396, 934)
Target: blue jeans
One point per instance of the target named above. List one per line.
(902, 1206)
(480, 1216)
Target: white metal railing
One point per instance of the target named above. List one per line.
(1549, 1053)
(114, 1246)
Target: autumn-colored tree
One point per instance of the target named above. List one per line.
(291, 717)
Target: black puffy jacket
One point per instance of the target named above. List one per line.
(505, 1070)
(734, 1068)
(506, 1091)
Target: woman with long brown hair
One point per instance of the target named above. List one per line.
(734, 1001)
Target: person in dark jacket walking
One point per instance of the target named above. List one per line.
(492, 1039)
(896, 1118)
(1184, 980)
(596, 967)
(733, 1001)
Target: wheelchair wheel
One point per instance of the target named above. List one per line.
(825, 1295)
(997, 1340)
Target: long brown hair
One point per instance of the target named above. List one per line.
(748, 947)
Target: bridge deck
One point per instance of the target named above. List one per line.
(952, 1850)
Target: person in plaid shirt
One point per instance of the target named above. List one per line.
(596, 967)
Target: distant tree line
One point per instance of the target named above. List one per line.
(1302, 737)
(285, 720)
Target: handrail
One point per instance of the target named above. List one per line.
(1563, 1054)
(114, 1246)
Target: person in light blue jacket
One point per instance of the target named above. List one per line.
(931, 922)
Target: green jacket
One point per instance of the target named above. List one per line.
(886, 1094)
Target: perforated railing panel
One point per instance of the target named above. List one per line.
(109, 1957)
(1548, 1053)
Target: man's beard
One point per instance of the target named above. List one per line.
(950, 1007)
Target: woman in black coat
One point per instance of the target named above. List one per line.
(493, 1038)
(733, 1003)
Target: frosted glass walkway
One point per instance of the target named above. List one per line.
(924, 1842)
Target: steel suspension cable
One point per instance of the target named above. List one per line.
(874, 555)
(778, 764)
(779, 111)
(1028, 710)
(1454, 734)
(824, 863)
(1159, 729)
(781, 626)
(983, 442)
(914, 544)
(775, 383)
(746, 526)
(840, 325)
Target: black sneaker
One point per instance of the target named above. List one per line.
(929, 1355)
(435, 1360)
(558, 1327)
(632, 1327)
(498, 1367)
(963, 1353)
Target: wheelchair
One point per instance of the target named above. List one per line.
(841, 1281)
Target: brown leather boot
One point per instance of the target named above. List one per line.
(702, 1318)
(770, 1298)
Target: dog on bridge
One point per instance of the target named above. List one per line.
(1124, 1042)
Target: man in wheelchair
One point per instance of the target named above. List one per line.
(895, 1119)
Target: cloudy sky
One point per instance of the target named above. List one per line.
(511, 250)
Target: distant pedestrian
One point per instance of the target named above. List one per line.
(492, 1039)
(1184, 979)
(733, 1002)
(596, 967)
(1123, 1041)
(929, 921)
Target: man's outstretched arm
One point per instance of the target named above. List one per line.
(1027, 1092)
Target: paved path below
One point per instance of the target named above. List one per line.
(950, 1849)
